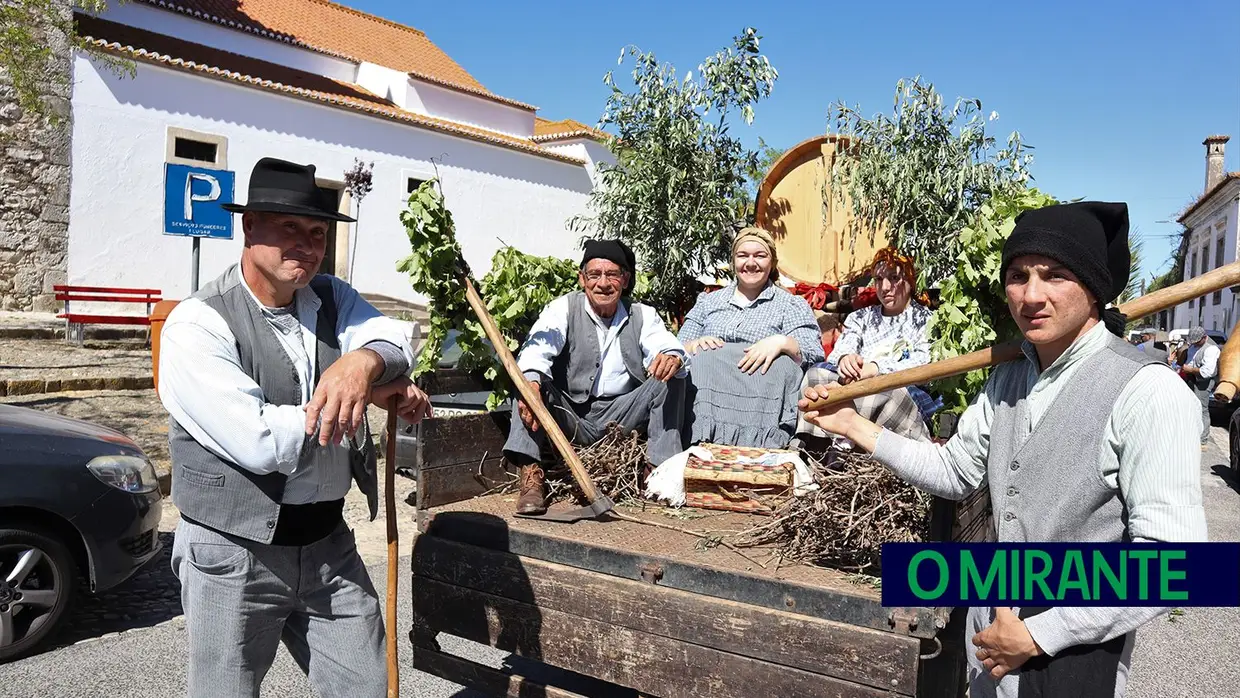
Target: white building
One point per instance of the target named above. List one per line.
(1211, 223)
(221, 85)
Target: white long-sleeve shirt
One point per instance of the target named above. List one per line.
(547, 339)
(1206, 358)
(203, 387)
(1150, 453)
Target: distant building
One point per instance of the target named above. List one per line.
(1211, 224)
(220, 85)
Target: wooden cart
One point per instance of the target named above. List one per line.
(619, 608)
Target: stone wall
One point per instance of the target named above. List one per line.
(34, 189)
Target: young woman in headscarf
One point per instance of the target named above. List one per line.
(751, 341)
(884, 338)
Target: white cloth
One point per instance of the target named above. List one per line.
(547, 338)
(202, 386)
(667, 481)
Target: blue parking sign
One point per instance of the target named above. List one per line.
(192, 198)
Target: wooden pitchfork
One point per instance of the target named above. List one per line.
(393, 550)
(1162, 299)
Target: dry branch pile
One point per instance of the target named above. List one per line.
(860, 505)
(615, 462)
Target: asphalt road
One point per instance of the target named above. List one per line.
(150, 663)
(1188, 654)
(1195, 654)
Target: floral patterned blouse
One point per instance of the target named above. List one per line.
(893, 342)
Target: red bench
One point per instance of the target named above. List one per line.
(75, 323)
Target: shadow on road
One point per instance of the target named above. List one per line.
(1227, 475)
(150, 597)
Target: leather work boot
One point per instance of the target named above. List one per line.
(533, 496)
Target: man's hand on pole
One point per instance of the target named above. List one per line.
(412, 405)
(527, 415)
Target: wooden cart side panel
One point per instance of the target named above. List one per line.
(460, 458)
(879, 659)
(651, 664)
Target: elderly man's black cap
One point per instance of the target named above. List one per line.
(613, 251)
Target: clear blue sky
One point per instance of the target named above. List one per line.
(1115, 96)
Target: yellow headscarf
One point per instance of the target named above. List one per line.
(891, 257)
(752, 234)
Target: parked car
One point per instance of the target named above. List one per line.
(80, 502)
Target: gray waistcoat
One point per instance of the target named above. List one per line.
(1047, 487)
(573, 371)
(219, 494)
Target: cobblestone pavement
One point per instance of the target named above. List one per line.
(55, 359)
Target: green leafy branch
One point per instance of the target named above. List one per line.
(515, 290)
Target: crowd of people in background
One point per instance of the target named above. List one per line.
(1196, 359)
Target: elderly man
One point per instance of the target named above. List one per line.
(1201, 373)
(1148, 335)
(266, 374)
(1083, 412)
(597, 357)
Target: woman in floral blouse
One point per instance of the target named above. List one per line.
(884, 338)
(750, 342)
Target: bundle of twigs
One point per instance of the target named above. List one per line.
(615, 462)
(859, 506)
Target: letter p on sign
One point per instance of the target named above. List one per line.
(212, 194)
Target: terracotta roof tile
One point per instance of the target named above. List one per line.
(170, 52)
(1229, 177)
(546, 130)
(334, 29)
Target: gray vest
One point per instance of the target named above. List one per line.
(1199, 384)
(219, 494)
(573, 371)
(1047, 487)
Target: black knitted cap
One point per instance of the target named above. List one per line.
(1090, 238)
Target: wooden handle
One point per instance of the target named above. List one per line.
(393, 550)
(1228, 367)
(531, 398)
(1159, 300)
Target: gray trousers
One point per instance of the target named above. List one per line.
(1203, 394)
(241, 598)
(655, 406)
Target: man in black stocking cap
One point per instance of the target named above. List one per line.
(266, 374)
(596, 357)
(1086, 438)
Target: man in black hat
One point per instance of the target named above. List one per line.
(266, 374)
(1086, 438)
(597, 357)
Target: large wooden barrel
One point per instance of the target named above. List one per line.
(812, 238)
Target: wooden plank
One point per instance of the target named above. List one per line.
(856, 606)
(464, 439)
(482, 678)
(882, 660)
(648, 663)
(446, 484)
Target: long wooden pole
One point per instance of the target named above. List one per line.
(531, 398)
(1229, 367)
(393, 551)
(1159, 300)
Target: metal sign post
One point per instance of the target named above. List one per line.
(192, 198)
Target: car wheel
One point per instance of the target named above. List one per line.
(1233, 440)
(37, 581)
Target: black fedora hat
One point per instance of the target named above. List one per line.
(280, 186)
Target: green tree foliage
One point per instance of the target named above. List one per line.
(680, 175)
(922, 171)
(766, 157)
(973, 312)
(29, 40)
(515, 290)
